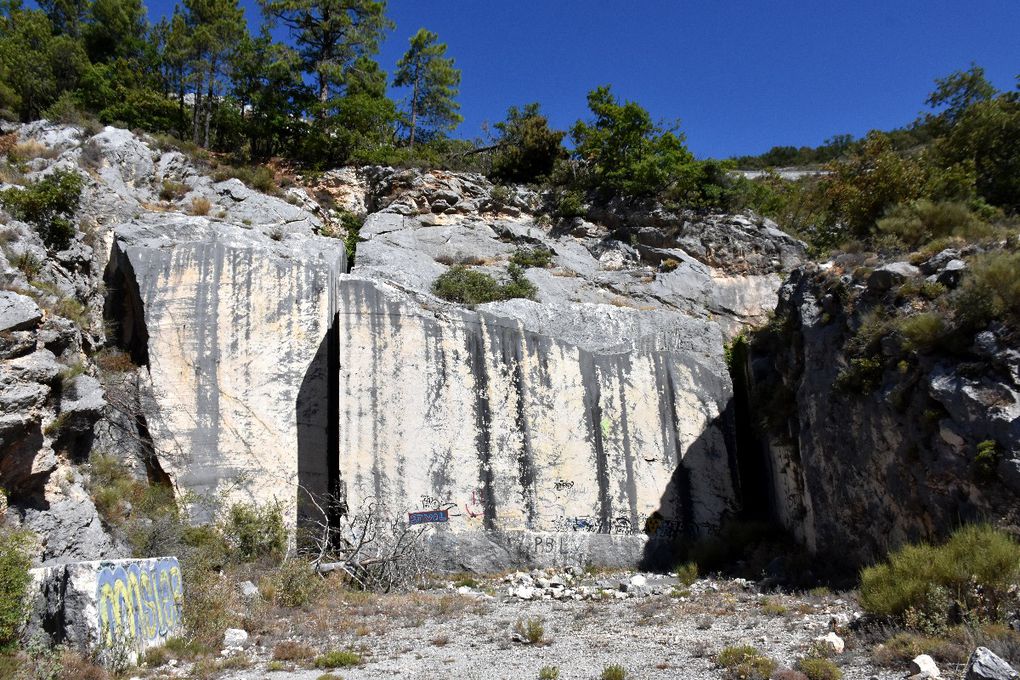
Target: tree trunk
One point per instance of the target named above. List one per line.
(196, 113)
(209, 100)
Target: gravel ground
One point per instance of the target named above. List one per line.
(469, 633)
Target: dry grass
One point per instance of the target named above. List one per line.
(290, 650)
(200, 205)
(30, 150)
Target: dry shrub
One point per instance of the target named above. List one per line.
(200, 205)
(74, 666)
(31, 149)
(291, 650)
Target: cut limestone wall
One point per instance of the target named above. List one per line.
(232, 326)
(117, 606)
(529, 432)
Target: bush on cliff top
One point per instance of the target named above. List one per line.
(48, 205)
(921, 583)
(470, 287)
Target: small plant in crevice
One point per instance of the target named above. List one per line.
(539, 257)
(986, 460)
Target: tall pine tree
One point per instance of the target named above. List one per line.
(434, 84)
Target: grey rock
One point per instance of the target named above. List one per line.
(951, 273)
(14, 344)
(235, 637)
(17, 312)
(986, 665)
(938, 261)
(924, 665)
(40, 366)
(71, 530)
(887, 276)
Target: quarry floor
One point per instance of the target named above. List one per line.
(469, 635)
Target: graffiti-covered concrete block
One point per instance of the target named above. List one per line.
(128, 605)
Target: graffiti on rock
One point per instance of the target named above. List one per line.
(428, 517)
(595, 525)
(139, 602)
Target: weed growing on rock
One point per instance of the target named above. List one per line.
(686, 573)
(816, 668)
(15, 561)
(614, 672)
(986, 460)
(745, 662)
(532, 257)
(531, 630)
(338, 659)
(200, 206)
(977, 567)
(172, 191)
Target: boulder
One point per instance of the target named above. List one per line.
(235, 638)
(951, 273)
(832, 643)
(986, 665)
(924, 664)
(890, 275)
(17, 312)
(112, 606)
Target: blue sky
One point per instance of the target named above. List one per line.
(741, 75)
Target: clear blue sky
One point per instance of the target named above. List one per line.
(741, 75)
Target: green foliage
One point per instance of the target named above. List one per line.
(531, 629)
(48, 205)
(613, 672)
(351, 225)
(15, 561)
(256, 532)
(819, 669)
(624, 153)
(686, 573)
(549, 673)
(990, 289)
(745, 663)
(570, 204)
(540, 257)
(668, 265)
(293, 584)
(922, 332)
(527, 148)
(338, 659)
(922, 221)
(470, 287)
(257, 177)
(986, 460)
(862, 376)
(433, 81)
(173, 191)
(791, 156)
(975, 569)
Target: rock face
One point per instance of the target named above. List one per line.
(119, 607)
(529, 432)
(593, 424)
(892, 443)
(233, 327)
(986, 665)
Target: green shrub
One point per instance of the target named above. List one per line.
(294, 584)
(257, 177)
(862, 376)
(745, 663)
(571, 204)
(351, 225)
(975, 569)
(172, 191)
(527, 148)
(614, 672)
(531, 629)
(687, 573)
(990, 289)
(549, 673)
(986, 460)
(338, 659)
(256, 532)
(922, 332)
(923, 220)
(48, 205)
(819, 669)
(470, 287)
(532, 257)
(15, 561)
(668, 265)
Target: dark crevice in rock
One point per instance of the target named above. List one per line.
(123, 309)
(593, 409)
(755, 491)
(483, 419)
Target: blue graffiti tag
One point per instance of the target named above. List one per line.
(139, 602)
(428, 517)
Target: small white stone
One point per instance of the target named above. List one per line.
(235, 637)
(638, 580)
(924, 664)
(832, 642)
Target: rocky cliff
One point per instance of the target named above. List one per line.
(570, 427)
(870, 444)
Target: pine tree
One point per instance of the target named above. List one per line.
(216, 26)
(434, 84)
(331, 35)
